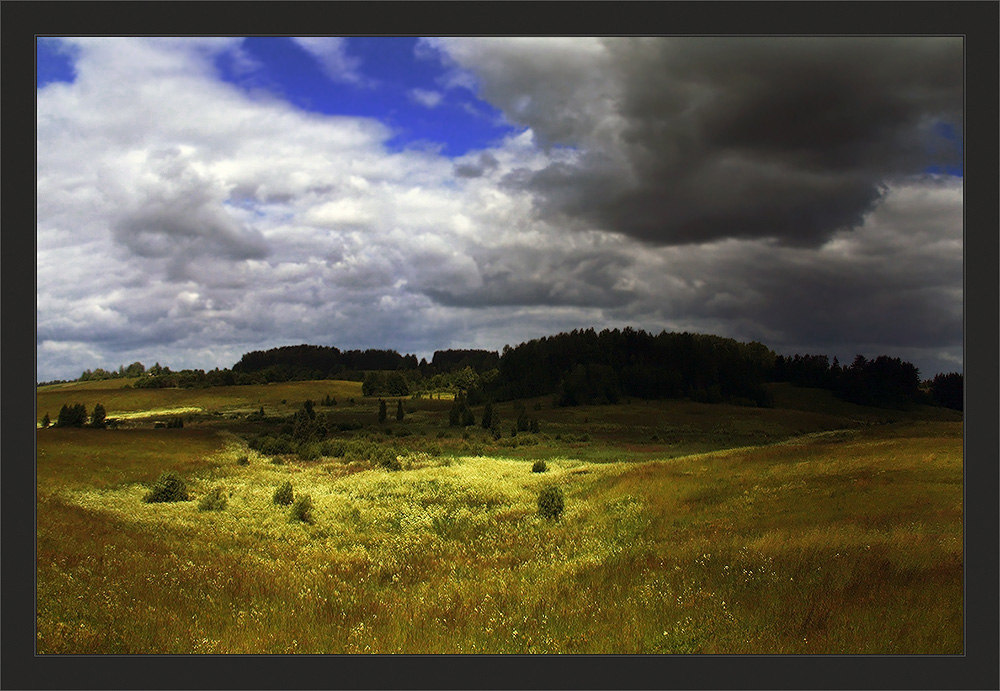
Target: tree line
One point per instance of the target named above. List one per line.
(588, 367)
(582, 367)
(883, 382)
(76, 416)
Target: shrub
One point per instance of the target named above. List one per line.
(302, 510)
(168, 487)
(539, 466)
(550, 503)
(391, 463)
(213, 501)
(284, 494)
(309, 452)
(270, 445)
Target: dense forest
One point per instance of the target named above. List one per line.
(581, 367)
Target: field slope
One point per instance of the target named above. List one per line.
(687, 528)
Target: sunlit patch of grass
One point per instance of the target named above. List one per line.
(156, 412)
(809, 540)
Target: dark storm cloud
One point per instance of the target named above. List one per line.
(814, 302)
(791, 138)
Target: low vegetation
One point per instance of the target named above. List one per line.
(817, 525)
(215, 500)
(168, 487)
(284, 495)
(550, 502)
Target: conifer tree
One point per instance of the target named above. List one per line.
(98, 419)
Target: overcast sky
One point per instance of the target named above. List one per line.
(201, 198)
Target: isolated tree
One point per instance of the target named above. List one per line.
(46, 421)
(381, 410)
(98, 418)
(399, 410)
(488, 415)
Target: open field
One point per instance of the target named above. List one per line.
(813, 527)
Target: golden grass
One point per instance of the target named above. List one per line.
(829, 543)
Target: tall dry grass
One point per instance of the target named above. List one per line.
(829, 543)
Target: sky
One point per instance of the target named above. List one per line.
(199, 198)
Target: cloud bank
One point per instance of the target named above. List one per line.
(688, 140)
(756, 189)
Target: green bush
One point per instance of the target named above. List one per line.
(550, 503)
(539, 466)
(302, 510)
(309, 452)
(213, 501)
(168, 487)
(284, 494)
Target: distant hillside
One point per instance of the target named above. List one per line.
(578, 368)
(584, 367)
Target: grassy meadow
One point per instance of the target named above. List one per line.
(812, 527)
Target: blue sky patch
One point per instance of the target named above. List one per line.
(399, 89)
(53, 62)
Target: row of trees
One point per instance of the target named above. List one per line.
(581, 367)
(325, 362)
(302, 362)
(136, 369)
(76, 416)
(883, 382)
(584, 367)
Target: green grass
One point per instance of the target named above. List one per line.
(736, 531)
